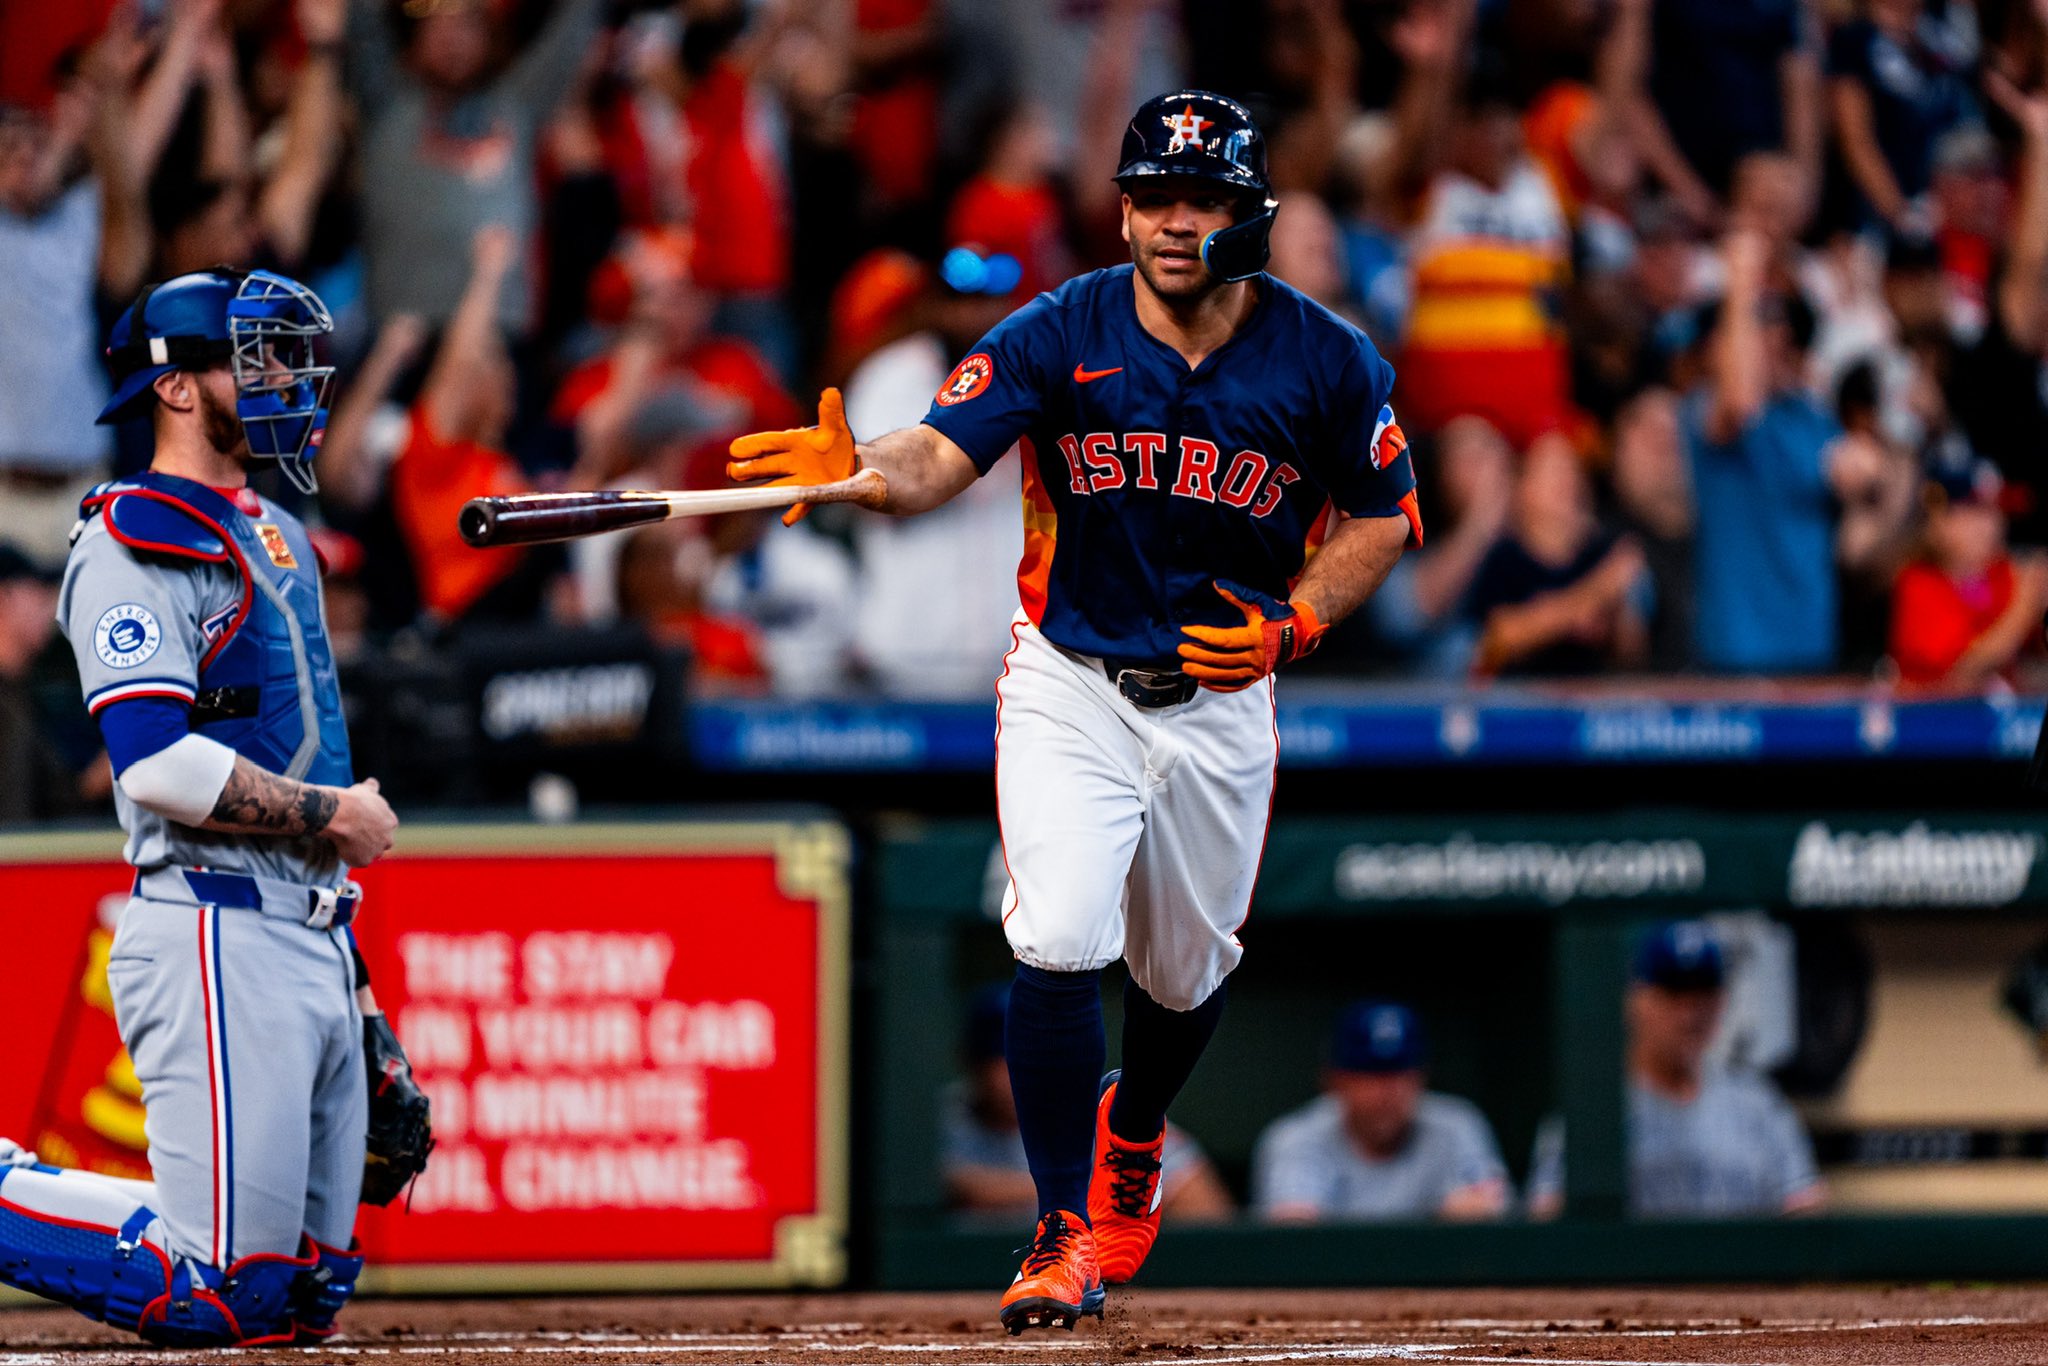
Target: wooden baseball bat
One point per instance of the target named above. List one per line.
(533, 518)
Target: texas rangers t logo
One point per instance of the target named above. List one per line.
(1186, 127)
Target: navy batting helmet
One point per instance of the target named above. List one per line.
(1204, 135)
(260, 324)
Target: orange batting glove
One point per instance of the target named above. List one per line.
(1232, 658)
(822, 454)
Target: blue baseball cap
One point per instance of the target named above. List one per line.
(1681, 955)
(1378, 1036)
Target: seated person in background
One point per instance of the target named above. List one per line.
(937, 592)
(982, 1152)
(1417, 615)
(1964, 609)
(1376, 1145)
(1702, 1143)
(759, 613)
(1556, 594)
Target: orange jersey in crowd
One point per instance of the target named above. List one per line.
(431, 480)
(1483, 332)
(728, 184)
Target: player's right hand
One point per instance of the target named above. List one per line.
(363, 824)
(823, 454)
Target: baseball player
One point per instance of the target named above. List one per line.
(1211, 477)
(194, 608)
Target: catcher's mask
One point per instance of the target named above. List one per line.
(263, 325)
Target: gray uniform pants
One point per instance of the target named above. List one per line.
(248, 1045)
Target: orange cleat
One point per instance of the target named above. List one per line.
(1059, 1282)
(1123, 1196)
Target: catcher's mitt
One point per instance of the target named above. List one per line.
(401, 1129)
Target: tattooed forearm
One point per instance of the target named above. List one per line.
(257, 801)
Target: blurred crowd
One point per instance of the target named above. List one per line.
(1707, 1136)
(1720, 325)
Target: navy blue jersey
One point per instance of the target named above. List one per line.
(1145, 481)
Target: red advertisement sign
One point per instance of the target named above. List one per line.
(633, 1037)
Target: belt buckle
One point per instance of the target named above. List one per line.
(1142, 688)
(326, 903)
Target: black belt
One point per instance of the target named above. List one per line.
(1143, 685)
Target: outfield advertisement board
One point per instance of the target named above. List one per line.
(634, 1037)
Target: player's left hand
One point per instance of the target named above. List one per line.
(401, 1124)
(823, 454)
(1232, 658)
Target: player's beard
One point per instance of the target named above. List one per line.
(222, 425)
(1180, 290)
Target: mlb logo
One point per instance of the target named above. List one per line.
(275, 546)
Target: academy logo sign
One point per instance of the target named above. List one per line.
(1464, 869)
(1911, 867)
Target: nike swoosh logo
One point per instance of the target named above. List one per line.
(1084, 376)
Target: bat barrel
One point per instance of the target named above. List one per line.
(478, 521)
(534, 518)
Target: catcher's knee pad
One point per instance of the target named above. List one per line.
(122, 1278)
(325, 1288)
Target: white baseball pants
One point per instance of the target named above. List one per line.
(1128, 832)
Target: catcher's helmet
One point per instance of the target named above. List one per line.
(1196, 133)
(263, 325)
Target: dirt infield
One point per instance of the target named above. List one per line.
(1606, 1327)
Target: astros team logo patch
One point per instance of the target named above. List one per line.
(968, 379)
(126, 635)
(1186, 127)
(275, 546)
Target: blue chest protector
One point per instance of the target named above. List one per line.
(267, 684)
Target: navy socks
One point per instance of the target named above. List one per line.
(1053, 1041)
(1161, 1048)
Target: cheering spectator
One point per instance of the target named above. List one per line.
(1760, 451)
(36, 781)
(691, 147)
(448, 147)
(455, 451)
(1557, 595)
(1965, 609)
(1653, 493)
(759, 612)
(982, 1152)
(1895, 85)
(1971, 205)
(64, 240)
(1377, 1144)
(1489, 253)
(1308, 252)
(1417, 616)
(1012, 206)
(1722, 79)
(1703, 1142)
(218, 215)
(937, 591)
(1997, 384)
(662, 344)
